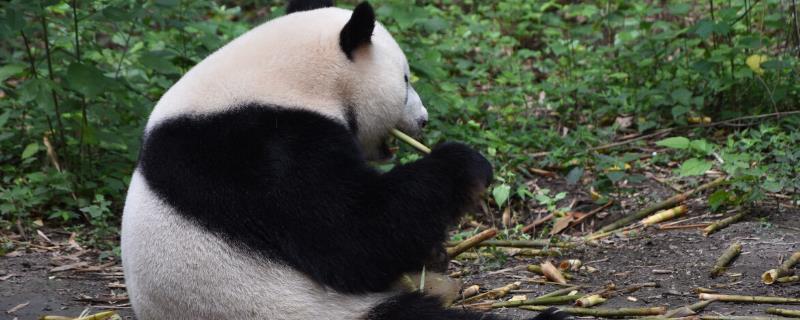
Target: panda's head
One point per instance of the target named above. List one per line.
(370, 74)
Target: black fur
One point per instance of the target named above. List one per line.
(305, 5)
(358, 30)
(293, 185)
(414, 306)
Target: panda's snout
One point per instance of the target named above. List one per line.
(422, 122)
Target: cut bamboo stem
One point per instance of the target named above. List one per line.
(538, 269)
(537, 301)
(605, 313)
(590, 301)
(552, 273)
(665, 215)
(750, 299)
(471, 242)
(494, 293)
(560, 292)
(409, 140)
(665, 204)
(784, 270)
(536, 243)
(721, 224)
(739, 318)
(688, 310)
(784, 312)
(725, 259)
(788, 279)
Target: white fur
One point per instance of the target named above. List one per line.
(296, 61)
(176, 270)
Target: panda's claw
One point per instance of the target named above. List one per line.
(552, 314)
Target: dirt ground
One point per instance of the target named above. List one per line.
(679, 261)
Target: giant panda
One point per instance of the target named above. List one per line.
(253, 198)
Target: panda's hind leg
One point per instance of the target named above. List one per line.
(415, 306)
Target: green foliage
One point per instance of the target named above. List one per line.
(511, 77)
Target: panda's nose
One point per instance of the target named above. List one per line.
(422, 123)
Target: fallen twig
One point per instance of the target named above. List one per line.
(471, 242)
(725, 259)
(750, 299)
(537, 223)
(602, 312)
(784, 270)
(536, 243)
(668, 203)
(721, 224)
(560, 292)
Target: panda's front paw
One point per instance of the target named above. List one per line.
(552, 314)
(470, 164)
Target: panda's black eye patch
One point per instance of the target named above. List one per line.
(405, 77)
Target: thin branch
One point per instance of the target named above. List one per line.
(51, 75)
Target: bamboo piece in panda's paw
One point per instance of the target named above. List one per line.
(784, 270)
(725, 259)
(665, 215)
(411, 141)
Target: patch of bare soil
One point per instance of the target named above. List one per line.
(678, 261)
(58, 278)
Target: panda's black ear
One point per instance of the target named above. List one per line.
(305, 5)
(357, 31)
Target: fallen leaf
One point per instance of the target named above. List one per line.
(561, 224)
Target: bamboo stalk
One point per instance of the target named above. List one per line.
(494, 293)
(667, 203)
(552, 273)
(788, 279)
(602, 312)
(535, 243)
(570, 264)
(688, 310)
(537, 301)
(538, 269)
(534, 253)
(739, 318)
(664, 215)
(750, 299)
(409, 140)
(784, 312)
(725, 259)
(590, 301)
(721, 224)
(97, 316)
(560, 292)
(784, 270)
(471, 242)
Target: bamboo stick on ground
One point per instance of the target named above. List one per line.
(535, 243)
(602, 312)
(784, 270)
(560, 292)
(538, 269)
(590, 301)
(471, 242)
(750, 299)
(784, 312)
(493, 294)
(739, 318)
(788, 279)
(667, 203)
(688, 310)
(725, 259)
(721, 224)
(409, 140)
(665, 215)
(537, 301)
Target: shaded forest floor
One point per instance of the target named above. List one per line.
(49, 274)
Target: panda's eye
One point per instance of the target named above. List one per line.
(405, 77)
